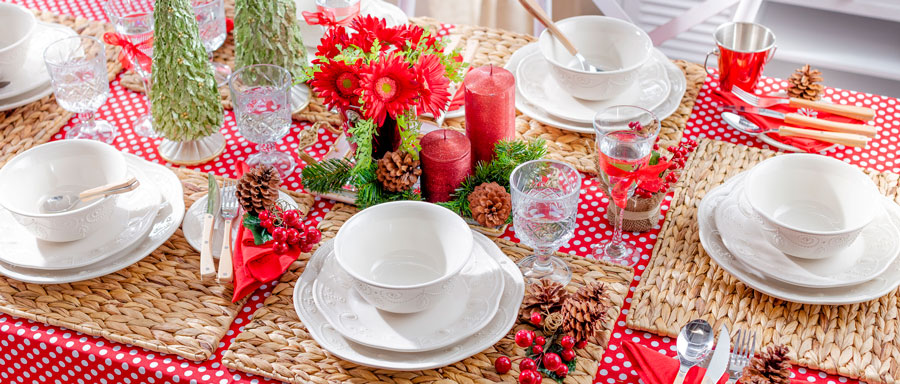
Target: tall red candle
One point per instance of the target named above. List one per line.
(490, 94)
(446, 161)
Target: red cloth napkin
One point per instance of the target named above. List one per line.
(808, 145)
(655, 368)
(255, 265)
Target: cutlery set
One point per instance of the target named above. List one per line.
(222, 204)
(695, 342)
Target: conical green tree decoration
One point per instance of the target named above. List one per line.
(268, 32)
(185, 99)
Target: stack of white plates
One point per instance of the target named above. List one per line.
(659, 88)
(474, 312)
(33, 82)
(734, 237)
(142, 221)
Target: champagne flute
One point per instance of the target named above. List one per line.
(625, 135)
(545, 197)
(133, 20)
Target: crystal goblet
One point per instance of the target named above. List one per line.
(133, 20)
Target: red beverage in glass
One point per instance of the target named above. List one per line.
(743, 50)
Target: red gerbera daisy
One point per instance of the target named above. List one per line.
(387, 86)
(430, 75)
(415, 35)
(333, 42)
(337, 84)
(368, 29)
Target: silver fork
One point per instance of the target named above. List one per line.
(744, 347)
(851, 111)
(228, 212)
(756, 101)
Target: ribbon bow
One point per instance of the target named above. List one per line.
(326, 16)
(131, 54)
(646, 177)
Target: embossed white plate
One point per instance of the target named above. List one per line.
(533, 83)
(710, 238)
(165, 223)
(130, 220)
(34, 73)
(466, 306)
(869, 256)
(330, 339)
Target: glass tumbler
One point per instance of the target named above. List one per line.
(262, 106)
(211, 21)
(133, 20)
(545, 197)
(77, 68)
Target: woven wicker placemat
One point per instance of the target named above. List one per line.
(29, 125)
(682, 283)
(275, 343)
(159, 303)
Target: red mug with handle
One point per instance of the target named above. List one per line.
(743, 50)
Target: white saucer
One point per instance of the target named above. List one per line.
(130, 221)
(33, 74)
(166, 222)
(193, 223)
(467, 306)
(674, 75)
(539, 89)
(330, 339)
(712, 243)
(300, 96)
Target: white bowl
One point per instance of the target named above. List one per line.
(617, 47)
(18, 27)
(403, 256)
(811, 206)
(52, 168)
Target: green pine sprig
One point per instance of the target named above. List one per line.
(327, 175)
(369, 191)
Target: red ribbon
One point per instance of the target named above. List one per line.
(131, 53)
(646, 177)
(326, 16)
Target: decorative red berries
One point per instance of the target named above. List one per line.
(568, 354)
(562, 371)
(279, 234)
(540, 341)
(530, 377)
(552, 361)
(527, 365)
(524, 338)
(280, 248)
(581, 344)
(502, 364)
(267, 224)
(265, 215)
(535, 318)
(291, 218)
(567, 342)
(537, 349)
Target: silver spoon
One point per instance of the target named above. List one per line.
(3, 83)
(62, 203)
(694, 343)
(542, 17)
(741, 124)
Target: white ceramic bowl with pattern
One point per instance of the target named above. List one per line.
(617, 47)
(811, 206)
(18, 27)
(66, 166)
(403, 256)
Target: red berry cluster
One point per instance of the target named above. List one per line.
(676, 162)
(288, 231)
(528, 366)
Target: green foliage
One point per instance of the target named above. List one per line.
(327, 176)
(409, 133)
(361, 134)
(184, 95)
(268, 32)
(260, 234)
(507, 156)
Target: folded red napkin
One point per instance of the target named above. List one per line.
(808, 145)
(656, 368)
(255, 265)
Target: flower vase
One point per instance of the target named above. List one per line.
(387, 135)
(641, 213)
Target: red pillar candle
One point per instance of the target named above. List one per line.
(446, 157)
(490, 94)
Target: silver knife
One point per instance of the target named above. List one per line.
(719, 361)
(799, 120)
(207, 267)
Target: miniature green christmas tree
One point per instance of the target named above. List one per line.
(185, 99)
(268, 32)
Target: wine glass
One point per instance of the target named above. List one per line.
(625, 135)
(77, 68)
(545, 196)
(339, 9)
(262, 107)
(211, 21)
(133, 20)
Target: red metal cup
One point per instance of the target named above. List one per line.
(743, 50)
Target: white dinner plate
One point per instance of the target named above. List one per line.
(330, 339)
(166, 222)
(674, 75)
(533, 83)
(715, 248)
(743, 234)
(33, 74)
(130, 221)
(467, 304)
(192, 227)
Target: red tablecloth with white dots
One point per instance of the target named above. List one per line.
(32, 352)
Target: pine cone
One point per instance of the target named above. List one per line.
(490, 204)
(257, 190)
(770, 367)
(805, 83)
(585, 311)
(545, 296)
(397, 171)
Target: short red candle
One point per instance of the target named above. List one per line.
(490, 94)
(446, 161)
